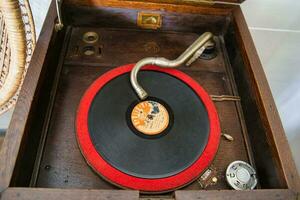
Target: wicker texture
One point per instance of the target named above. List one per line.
(17, 44)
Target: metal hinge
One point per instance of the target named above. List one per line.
(59, 25)
(225, 98)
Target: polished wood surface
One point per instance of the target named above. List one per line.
(276, 137)
(181, 7)
(245, 195)
(42, 123)
(107, 17)
(16, 132)
(74, 194)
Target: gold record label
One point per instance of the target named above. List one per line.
(150, 117)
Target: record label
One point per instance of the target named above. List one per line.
(150, 117)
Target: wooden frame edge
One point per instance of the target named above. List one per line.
(266, 102)
(78, 194)
(12, 141)
(234, 194)
(67, 194)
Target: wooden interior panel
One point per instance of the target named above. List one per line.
(108, 17)
(179, 2)
(180, 6)
(62, 163)
(119, 47)
(256, 127)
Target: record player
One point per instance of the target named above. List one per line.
(132, 99)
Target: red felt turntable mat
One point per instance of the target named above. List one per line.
(114, 149)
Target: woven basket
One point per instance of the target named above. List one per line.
(17, 41)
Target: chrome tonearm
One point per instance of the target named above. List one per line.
(189, 55)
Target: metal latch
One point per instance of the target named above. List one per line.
(149, 20)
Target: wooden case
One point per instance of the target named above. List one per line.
(40, 157)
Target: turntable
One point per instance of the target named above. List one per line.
(146, 100)
(152, 143)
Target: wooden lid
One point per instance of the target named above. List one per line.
(150, 3)
(194, 1)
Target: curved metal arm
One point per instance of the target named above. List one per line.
(163, 62)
